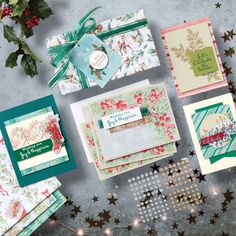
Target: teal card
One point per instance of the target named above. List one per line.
(36, 141)
(95, 59)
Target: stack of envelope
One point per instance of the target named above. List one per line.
(23, 210)
(126, 128)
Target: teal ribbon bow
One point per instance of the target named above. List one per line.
(60, 53)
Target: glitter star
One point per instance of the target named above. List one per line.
(53, 217)
(116, 221)
(231, 33)
(227, 69)
(129, 227)
(201, 177)
(228, 196)
(229, 52)
(72, 216)
(216, 216)
(95, 199)
(196, 171)
(192, 153)
(77, 209)
(212, 221)
(181, 233)
(105, 215)
(175, 226)
(112, 200)
(201, 213)
(155, 168)
(177, 144)
(170, 161)
(226, 37)
(218, 5)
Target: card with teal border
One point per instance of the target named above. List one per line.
(36, 141)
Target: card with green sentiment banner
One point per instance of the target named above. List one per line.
(36, 141)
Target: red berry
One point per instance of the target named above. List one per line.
(26, 12)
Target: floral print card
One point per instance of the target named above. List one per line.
(118, 169)
(135, 46)
(36, 141)
(212, 125)
(16, 202)
(134, 121)
(194, 58)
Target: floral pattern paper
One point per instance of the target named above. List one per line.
(16, 202)
(136, 48)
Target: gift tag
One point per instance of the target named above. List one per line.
(95, 59)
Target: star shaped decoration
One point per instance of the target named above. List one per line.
(164, 197)
(228, 196)
(218, 5)
(72, 216)
(201, 177)
(192, 153)
(155, 168)
(159, 192)
(224, 234)
(53, 217)
(112, 200)
(175, 226)
(129, 227)
(68, 202)
(229, 52)
(150, 232)
(99, 223)
(226, 37)
(212, 221)
(180, 197)
(227, 69)
(191, 219)
(105, 215)
(196, 171)
(201, 213)
(181, 233)
(203, 198)
(144, 203)
(116, 221)
(190, 178)
(95, 199)
(170, 183)
(171, 161)
(77, 209)
(178, 171)
(216, 216)
(177, 144)
(224, 209)
(231, 33)
(90, 221)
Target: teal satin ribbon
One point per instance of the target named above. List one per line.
(60, 53)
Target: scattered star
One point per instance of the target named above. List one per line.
(77, 209)
(175, 226)
(226, 37)
(105, 215)
(90, 221)
(190, 178)
(95, 199)
(201, 213)
(192, 153)
(164, 197)
(68, 202)
(129, 227)
(100, 223)
(212, 221)
(229, 52)
(196, 171)
(191, 219)
(155, 168)
(53, 217)
(224, 209)
(177, 144)
(231, 33)
(228, 196)
(203, 198)
(216, 216)
(181, 233)
(178, 171)
(227, 69)
(224, 234)
(218, 5)
(159, 192)
(150, 232)
(170, 161)
(72, 216)
(112, 200)
(201, 177)
(117, 221)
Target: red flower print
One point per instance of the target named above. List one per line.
(108, 103)
(88, 126)
(120, 105)
(157, 150)
(154, 96)
(139, 98)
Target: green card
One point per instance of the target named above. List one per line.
(36, 141)
(203, 61)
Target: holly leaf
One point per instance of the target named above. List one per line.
(40, 8)
(12, 2)
(28, 51)
(12, 59)
(29, 65)
(20, 7)
(28, 32)
(10, 34)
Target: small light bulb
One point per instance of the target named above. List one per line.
(164, 218)
(80, 232)
(108, 231)
(136, 222)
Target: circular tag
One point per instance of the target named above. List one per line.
(98, 60)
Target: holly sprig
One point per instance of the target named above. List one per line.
(24, 15)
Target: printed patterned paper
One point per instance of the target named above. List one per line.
(160, 130)
(16, 202)
(79, 114)
(212, 127)
(136, 48)
(193, 57)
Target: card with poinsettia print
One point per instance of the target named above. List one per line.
(212, 124)
(194, 58)
(36, 141)
(134, 121)
(115, 170)
(16, 202)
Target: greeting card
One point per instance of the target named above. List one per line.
(15, 202)
(36, 141)
(194, 58)
(134, 121)
(213, 127)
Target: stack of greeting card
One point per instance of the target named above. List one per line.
(23, 210)
(126, 128)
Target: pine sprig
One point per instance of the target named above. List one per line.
(25, 15)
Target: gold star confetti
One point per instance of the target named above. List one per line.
(229, 52)
(218, 5)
